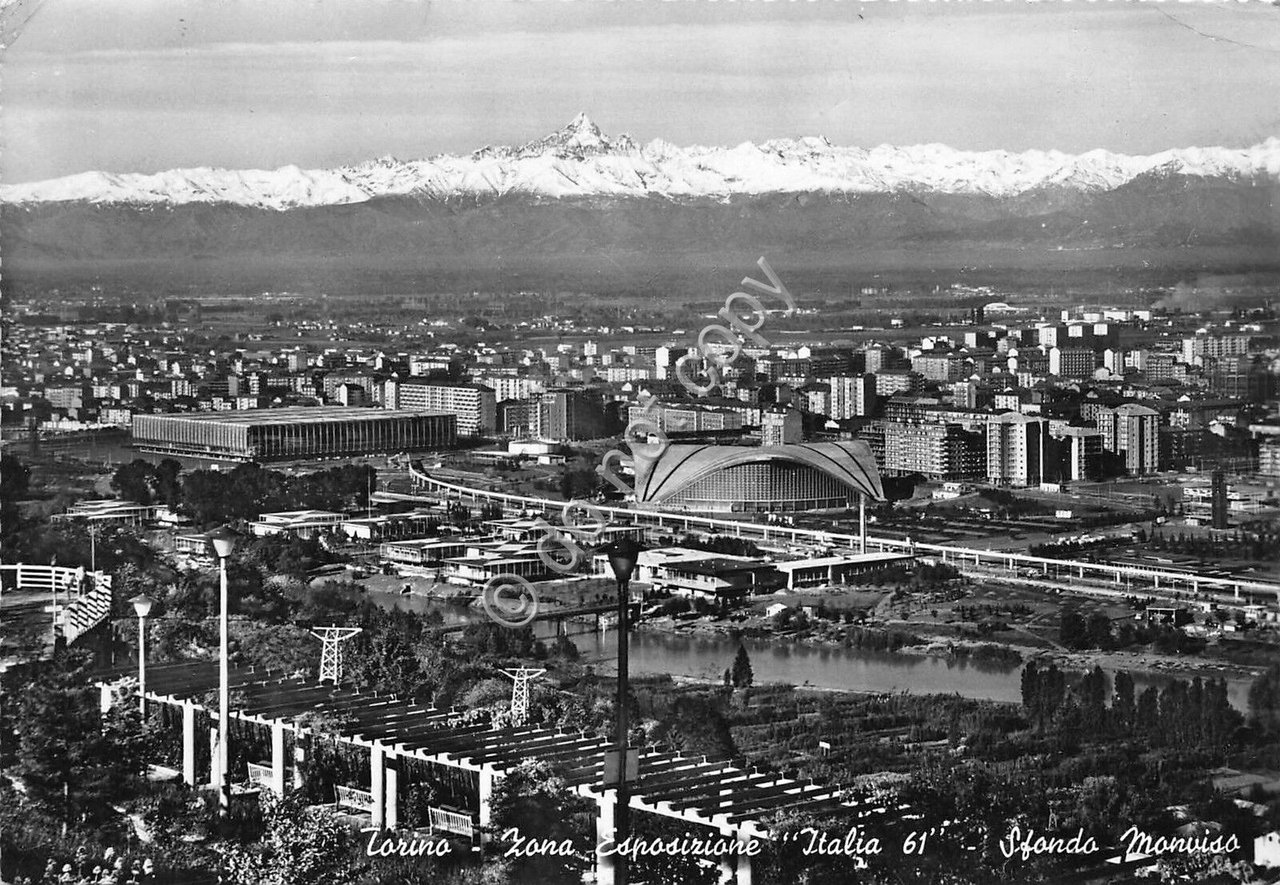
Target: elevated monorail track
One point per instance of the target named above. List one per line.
(1135, 579)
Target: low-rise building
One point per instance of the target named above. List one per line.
(712, 576)
(423, 552)
(825, 571)
(116, 513)
(296, 523)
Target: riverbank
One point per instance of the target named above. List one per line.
(697, 652)
(951, 647)
(824, 656)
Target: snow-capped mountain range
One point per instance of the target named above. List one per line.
(580, 161)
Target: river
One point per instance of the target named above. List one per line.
(808, 666)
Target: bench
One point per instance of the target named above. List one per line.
(260, 775)
(359, 801)
(451, 820)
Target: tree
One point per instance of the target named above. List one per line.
(168, 487)
(1098, 631)
(1092, 692)
(742, 675)
(384, 657)
(72, 762)
(564, 647)
(492, 693)
(1043, 691)
(276, 646)
(1264, 698)
(15, 477)
(579, 482)
(1123, 704)
(1072, 631)
(1148, 711)
(1100, 801)
(538, 804)
(14, 481)
(695, 725)
(301, 846)
(286, 555)
(133, 481)
(1031, 687)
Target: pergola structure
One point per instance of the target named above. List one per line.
(716, 795)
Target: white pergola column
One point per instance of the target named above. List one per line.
(214, 778)
(391, 783)
(486, 803)
(743, 874)
(377, 785)
(189, 743)
(725, 861)
(606, 865)
(277, 757)
(299, 759)
(105, 697)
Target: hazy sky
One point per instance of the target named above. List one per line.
(145, 85)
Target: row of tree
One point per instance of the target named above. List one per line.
(214, 496)
(1186, 715)
(1078, 632)
(1262, 545)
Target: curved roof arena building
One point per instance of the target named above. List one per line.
(763, 479)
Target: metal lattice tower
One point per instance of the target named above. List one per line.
(520, 691)
(331, 654)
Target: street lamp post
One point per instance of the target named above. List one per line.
(224, 542)
(622, 559)
(142, 606)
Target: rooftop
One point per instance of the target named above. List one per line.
(298, 415)
(717, 566)
(828, 561)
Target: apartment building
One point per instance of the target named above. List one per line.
(474, 404)
(851, 396)
(1132, 430)
(1015, 449)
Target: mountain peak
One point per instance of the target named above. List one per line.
(582, 125)
(579, 137)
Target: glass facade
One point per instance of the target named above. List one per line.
(764, 487)
(292, 434)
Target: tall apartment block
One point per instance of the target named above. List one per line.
(474, 405)
(1133, 431)
(561, 413)
(852, 396)
(1015, 449)
(781, 426)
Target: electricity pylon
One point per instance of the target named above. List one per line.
(331, 654)
(520, 692)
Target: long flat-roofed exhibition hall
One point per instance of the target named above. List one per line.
(288, 433)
